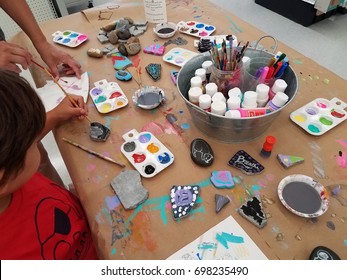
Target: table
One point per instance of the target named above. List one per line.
(149, 231)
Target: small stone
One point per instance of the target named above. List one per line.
(122, 49)
(221, 201)
(112, 37)
(333, 215)
(280, 236)
(110, 53)
(123, 34)
(110, 26)
(129, 20)
(122, 24)
(102, 39)
(97, 53)
(133, 48)
(132, 40)
(136, 32)
(268, 215)
(298, 237)
(201, 152)
(102, 32)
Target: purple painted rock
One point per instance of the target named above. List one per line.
(201, 152)
(183, 199)
(221, 201)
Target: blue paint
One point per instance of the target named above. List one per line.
(224, 238)
(112, 202)
(256, 188)
(185, 126)
(109, 119)
(114, 250)
(198, 255)
(237, 29)
(164, 158)
(345, 242)
(200, 25)
(207, 246)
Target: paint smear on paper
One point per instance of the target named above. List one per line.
(343, 143)
(112, 202)
(154, 128)
(342, 159)
(318, 164)
(297, 61)
(224, 238)
(91, 167)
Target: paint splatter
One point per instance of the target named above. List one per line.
(114, 250)
(234, 27)
(207, 246)
(112, 202)
(297, 61)
(343, 143)
(91, 167)
(345, 242)
(154, 128)
(109, 120)
(326, 81)
(342, 159)
(318, 166)
(141, 232)
(185, 126)
(331, 225)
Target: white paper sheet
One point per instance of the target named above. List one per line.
(51, 95)
(225, 241)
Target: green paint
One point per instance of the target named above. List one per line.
(325, 121)
(313, 128)
(100, 99)
(326, 81)
(296, 61)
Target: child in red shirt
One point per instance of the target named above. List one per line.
(38, 219)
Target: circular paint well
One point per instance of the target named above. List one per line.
(300, 118)
(209, 28)
(326, 120)
(191, 23)
(164, 158)
(166, 30)
(302, 197)
(129, 146)
(179, 60)
(200, 25)
(322, 103)
(203, 33)
(149, 169)
(153, 148)
(145, 138)
(100, 99)
(66, 40)
(66, 33)
(314, 128)
(337, 113)
(311, 111)
(96, 91)
(73, 35)
(105, 108)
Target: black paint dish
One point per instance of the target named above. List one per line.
(98, 132)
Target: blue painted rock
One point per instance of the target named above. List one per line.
(201, 152)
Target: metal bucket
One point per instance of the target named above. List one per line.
(222, 128)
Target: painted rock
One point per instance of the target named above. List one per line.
(324, 254)
(222, 179)
(253, 211)
(201, 152)
(123, 75)
(288, 160)
(183, 199)
(246, 163)
(98, 132)
(154, 70)
(221, 201)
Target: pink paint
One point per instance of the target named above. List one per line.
(270, 177)
(154, 128)
(91, 167)
(343, 143)
(342, 160)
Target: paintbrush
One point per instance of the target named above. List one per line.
(56, 82)
(93, 152)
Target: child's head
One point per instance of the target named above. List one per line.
(22, 118)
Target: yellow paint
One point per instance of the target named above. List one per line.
(152, 148)
(105, 108)
(300, 118)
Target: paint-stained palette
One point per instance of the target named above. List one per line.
(197, 29)
(303, 196)
(146, 153)
(179, 56)
(69, 38)
(320, 115)
(108, 96)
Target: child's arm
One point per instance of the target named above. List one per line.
(63, 112)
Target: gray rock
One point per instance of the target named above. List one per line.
(123, 34)
(112, 37)
(102, 39)
(133, 48)
(129, 189)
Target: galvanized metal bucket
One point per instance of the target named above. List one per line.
(226, 129)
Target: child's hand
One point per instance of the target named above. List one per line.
(66, 110)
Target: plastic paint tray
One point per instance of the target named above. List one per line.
(197, 29)
(108, 96)
(146, 153)
(178, 56)
(69, 38)
(320, 115)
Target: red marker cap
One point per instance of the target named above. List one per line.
(268, 144)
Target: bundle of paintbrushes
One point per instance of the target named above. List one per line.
(227, 58)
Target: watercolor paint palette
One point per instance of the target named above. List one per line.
(69, 38)
(108, 96)
(178, 56)
(146, 153)
(197, 29)
(320, 115)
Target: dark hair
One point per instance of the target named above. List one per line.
(22, 118)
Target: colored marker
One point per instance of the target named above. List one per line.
(281, 71)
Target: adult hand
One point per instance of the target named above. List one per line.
(12, 54)
(54, 57)
(66, 109)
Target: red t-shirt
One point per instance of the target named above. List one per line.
(45, 221)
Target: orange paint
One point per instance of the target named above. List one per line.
(141, 232)
(152, 148)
